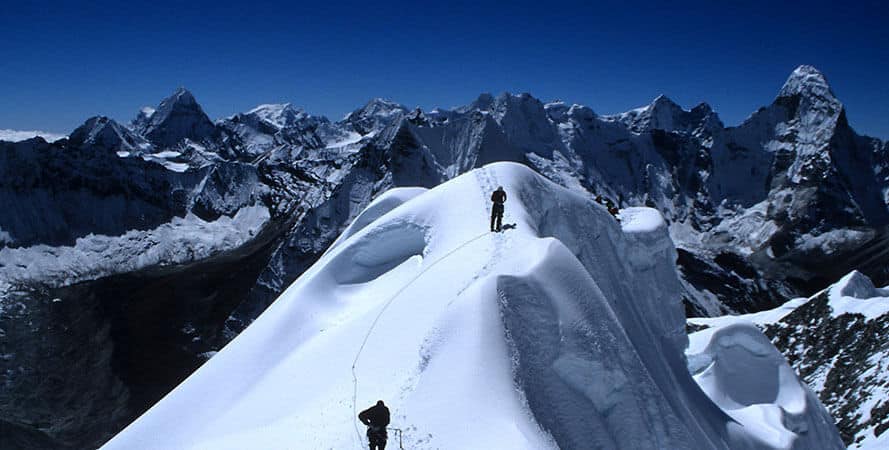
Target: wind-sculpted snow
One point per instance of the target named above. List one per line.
(546, 335)
(743, 373)
(836, 341)
(386, 202)
(384, 249)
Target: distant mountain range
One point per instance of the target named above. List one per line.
(22, 135)
(167, 236)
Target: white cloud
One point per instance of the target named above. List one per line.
(18, 135)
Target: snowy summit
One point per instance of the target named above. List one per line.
(563, 331)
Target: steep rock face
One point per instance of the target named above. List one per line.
(373, 116)
(103, 133)
(54, 193)
(178, 117)
(842, 354)
(55, 394)
(814, 191)
(270, 126)
(665, 114)
(525, 124)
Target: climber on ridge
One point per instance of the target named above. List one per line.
(499, 198)
(376, 418)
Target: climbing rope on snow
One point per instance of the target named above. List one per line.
(377, 319)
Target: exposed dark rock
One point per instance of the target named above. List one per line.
(842, 357)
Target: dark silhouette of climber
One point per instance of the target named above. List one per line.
(376, 418)
(499, 198)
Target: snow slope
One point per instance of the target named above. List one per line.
(836, 340)
(563, 331)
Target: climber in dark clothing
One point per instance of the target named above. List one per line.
(499, 198)
(376, 418)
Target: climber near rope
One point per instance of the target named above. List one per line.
(499, 198)
(376, 418)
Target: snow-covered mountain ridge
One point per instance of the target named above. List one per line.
(776, 207)
(836, 340)
(564, 331)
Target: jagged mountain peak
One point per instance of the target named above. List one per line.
(375, 115)
(664, 107)
(560, 111)
(181, 95)
(279, 115)
(508, 98)
(806, 80)
(503, 102)
(857, 285)
(703, 107)
(484, 102)
(177, 117)
(104, 132)
(142, 119)
(523, 104)
(661, 114)
(522, 96)
(662, 101)
(380, 105)
(180, 99)
(581, 112)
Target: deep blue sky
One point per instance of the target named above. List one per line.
(61, 63)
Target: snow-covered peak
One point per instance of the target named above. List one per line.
(662, 101)
(661, 114)
(379, 107)
(581, 113)
(556, 110)
(504, 104)
(177, 117)
(105, 133)
(484, 102)
(375, 115)
(855, 293)
(279, 115)
(809, 81)
(563, 331)
(181, 95)
(508, 101)
(181, 99)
